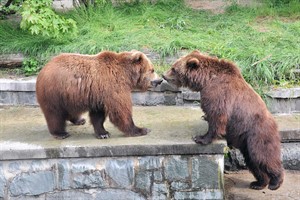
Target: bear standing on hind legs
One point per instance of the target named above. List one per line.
(235, 111)
(71, 84)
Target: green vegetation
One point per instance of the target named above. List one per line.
(39, 18)
(263, 41)
(31, 66)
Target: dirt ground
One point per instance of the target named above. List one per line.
(237, 187)
(215, 6)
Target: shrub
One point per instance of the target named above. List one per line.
(39, 18)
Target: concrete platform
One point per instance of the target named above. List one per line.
(24, 134)
(165, 164)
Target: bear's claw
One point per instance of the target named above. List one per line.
(103, 136)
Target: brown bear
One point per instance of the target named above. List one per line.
(233, 110)
(71, 84)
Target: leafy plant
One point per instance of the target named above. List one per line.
(39, 18)
(31, 66)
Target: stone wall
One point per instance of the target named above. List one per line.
(149, 177)
(22, 92)
(284, 100)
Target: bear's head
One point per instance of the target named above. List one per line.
(193, 71)
(142, 72)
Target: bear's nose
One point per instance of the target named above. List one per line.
(156, 82)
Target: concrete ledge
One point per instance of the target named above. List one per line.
(165, 164)
(19, 151)
(285, 93)
(21, 85)
(24, 135)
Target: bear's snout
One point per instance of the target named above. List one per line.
(156, 82)
(167, 78)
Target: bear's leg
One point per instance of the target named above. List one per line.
(255, 166)
(264, 161)
(261, 177)
(273, 164)
(120, 114)
(274, 169)
(97, 120)
(78, 120)
(125, 123)
(216, 128)
(56, 124)
(276, 180)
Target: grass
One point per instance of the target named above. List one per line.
(263, 41)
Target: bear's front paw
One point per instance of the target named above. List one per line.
(202, 139)
(103, 135)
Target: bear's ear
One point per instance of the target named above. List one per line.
(196, 52)
(136, 56)
(193, 63)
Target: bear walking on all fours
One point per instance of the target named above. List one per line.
(71, 84)
(235, 111)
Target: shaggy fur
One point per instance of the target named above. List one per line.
(71, 84)
(235, 111)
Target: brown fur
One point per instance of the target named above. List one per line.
(71, 84)
(234, 110)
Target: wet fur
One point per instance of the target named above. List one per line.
(235, 111)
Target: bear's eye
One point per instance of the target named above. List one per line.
(152, 70)
(173, 70)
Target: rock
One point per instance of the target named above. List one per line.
(32, 183)
(11, 60)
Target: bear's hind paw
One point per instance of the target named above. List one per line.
(139, 132)
(275, 186)
(257, 185)
(61, 136)
(78, 122)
